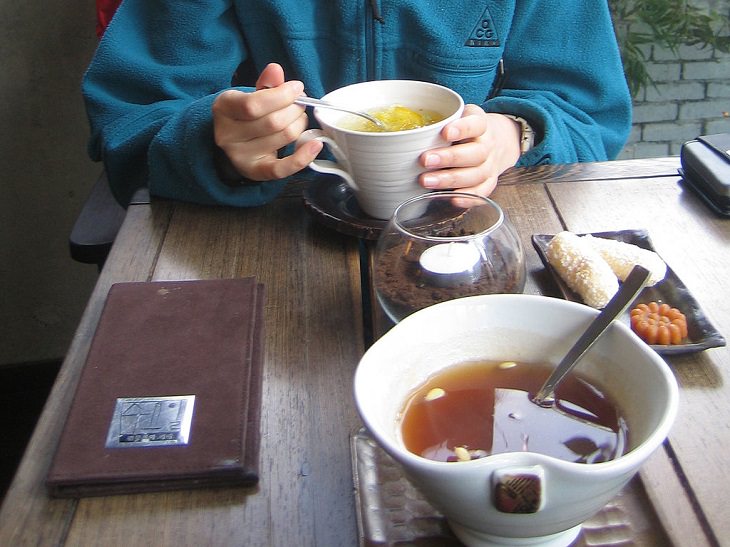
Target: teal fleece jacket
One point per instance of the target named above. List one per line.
(156, 72)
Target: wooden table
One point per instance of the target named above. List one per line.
(316, 330)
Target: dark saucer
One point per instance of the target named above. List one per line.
(333, 204)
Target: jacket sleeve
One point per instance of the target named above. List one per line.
(563, 74)
(148, 97)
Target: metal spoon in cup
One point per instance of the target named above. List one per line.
(308, 101)
(624, 296)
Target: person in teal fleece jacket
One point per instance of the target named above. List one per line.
(195, 99)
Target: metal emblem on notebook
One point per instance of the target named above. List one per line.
(151, 421)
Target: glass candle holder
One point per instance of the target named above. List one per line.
(445, 245)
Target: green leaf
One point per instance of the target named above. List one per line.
(668, 24)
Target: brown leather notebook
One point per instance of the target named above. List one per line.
(170, 394)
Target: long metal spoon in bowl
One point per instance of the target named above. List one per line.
(624, 296)
(308, 101)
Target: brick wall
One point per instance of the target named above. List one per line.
(690, 97)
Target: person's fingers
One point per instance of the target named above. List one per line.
(271, 168)
(465, 130)
(226, 104)
(271, 76)
(268, 141)
(230, 130)
(456, 178)
(484, 145)
(289, 122)
(461, 155)
(256, 158)
(264, 102)
(469, 180)
(240, 106)
(472, 124)
(252, 127)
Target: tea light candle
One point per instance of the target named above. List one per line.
(449, 264)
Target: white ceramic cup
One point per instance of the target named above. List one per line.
(523, 328)
(382, 169)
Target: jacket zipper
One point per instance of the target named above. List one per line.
(370, 52)
(376, 11)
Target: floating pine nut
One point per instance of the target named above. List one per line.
(435, 393)
(462, 454)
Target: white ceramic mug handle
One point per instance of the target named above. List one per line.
(339, 167)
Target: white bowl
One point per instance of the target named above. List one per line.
(523, 328)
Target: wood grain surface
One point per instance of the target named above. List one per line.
(317, 325)
(696, 244)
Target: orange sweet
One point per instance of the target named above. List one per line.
(659, 324)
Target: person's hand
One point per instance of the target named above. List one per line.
(251, 127)
(485, 145)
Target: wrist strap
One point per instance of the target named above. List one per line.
(527, 138)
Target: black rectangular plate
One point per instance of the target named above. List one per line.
(701, 333)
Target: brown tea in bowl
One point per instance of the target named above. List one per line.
(475, 409)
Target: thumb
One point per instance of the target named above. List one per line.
(271, 76)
